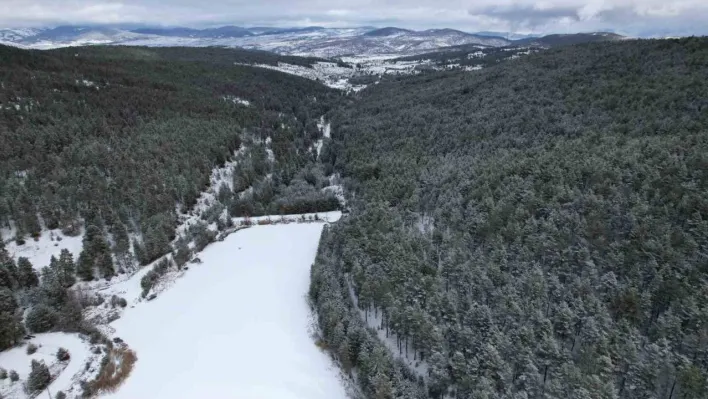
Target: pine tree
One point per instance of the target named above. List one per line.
(96, 254)
(8, 270)
(39, 377)
(11, 329)
(41, 318)
(27, 277)
(182, 253)
(66, 267)
(84, 266)
(104, 261)
(121, 239)
(140, 252)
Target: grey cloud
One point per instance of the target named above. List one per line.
(634, 17)
(528, 16)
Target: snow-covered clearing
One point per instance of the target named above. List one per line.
(328, 73)
(66, 373)
(239, 326)
(39, 252)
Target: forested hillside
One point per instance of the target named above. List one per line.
(537, 229)
(115, 142)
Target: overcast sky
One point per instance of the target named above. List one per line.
(633, 17)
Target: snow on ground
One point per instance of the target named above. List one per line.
(325, 127)
(326, 130)
(471, 68)
(374, 320)
(237, 100)
(338, 77)
(87, 83)
(328, 73)
(39, 252)
(219, 176)
(68, 372)
(237, 327)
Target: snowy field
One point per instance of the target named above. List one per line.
(238, 326)
(39, 252)
(65, 373)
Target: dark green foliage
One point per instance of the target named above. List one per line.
(182, 253)
(120, 238)
(39, 377)
(14, 377)
(158, 270)
(27, 277)
(201, 235)
(60, 395)
(8, 303)
(11, 329)
(118, 301)
(469, 55)
(85, 267)
(95, 255)
(41, 318)
(66, 268)
(8, 270)
(155, 239)
(348, 338)
(3, 374)
(535, 229)
(31, 348)
(62, 355)
(143, 135)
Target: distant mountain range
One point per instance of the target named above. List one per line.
(309, 41)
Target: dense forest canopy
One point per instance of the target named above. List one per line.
(120, 135)
(537, 229)
(116, 143)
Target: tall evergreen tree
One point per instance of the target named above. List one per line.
(85, 266)
(11, 329)
(66, 268)
(39, 377)
(27, 277)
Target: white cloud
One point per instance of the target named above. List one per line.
(541, 16)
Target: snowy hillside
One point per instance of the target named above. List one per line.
(65, 373)
(314, 41)
(237, 326)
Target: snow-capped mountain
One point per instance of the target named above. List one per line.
(64, 36)
(310, 41)
(17, 35)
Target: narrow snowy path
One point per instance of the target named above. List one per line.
(237, 326)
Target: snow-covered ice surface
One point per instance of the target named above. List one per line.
(237, 327)
(65, 373)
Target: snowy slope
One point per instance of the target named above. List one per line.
(236, 327)
(314, 41)
(65, 374)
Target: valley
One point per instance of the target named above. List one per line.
(236, 325)
(355, 213)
